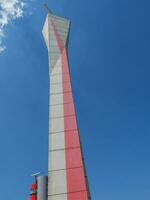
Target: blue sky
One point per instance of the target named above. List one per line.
(109, 57)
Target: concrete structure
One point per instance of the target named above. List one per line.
(42, 187)
(66, 171)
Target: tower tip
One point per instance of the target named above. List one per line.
(47, 8)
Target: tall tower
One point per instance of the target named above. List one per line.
(66, 171)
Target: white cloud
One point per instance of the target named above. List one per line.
(9, 10)
(2, 48)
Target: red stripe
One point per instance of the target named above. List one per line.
(72, 139)
(69, 109)
(76, 181)
(70, 122)
(78, 195)
(66, 86)
(68, 98)
(75, 176)
(74, 158)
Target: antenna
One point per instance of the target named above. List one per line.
(35, 175)
(47, 8)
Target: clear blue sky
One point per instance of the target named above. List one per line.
(109, 54)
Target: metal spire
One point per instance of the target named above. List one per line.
(47, 8)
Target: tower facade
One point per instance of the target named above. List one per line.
(66, 171)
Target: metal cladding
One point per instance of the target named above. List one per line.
(42, 188)
(66, 171)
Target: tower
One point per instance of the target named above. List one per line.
(66, 171)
